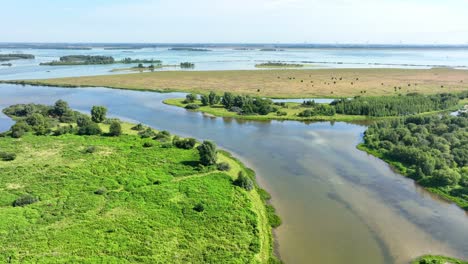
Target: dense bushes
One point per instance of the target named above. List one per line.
(98, 114)
(192, 106)
(186, 143)
(395, 105)
(318, 110)
(25, 199)
(115, 129)
(433, 149)
(208, 153)
(244, 182)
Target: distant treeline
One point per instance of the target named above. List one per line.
(92, 60)
(278, 64)
(188, 49)
(187, 65)
(397, 105)
(433, 150)
(9, 57)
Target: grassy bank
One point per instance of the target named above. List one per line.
(438, 260)
(73, 198)
(291, 113)
(292, 83)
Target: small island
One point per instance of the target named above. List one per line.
(95, 60)
(89, 188)
(10, 57)
(278, 65)
(188, 49)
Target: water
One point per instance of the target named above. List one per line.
(222, 58)
(338, 204)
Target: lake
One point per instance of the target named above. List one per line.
(222, 58)
(338, 204)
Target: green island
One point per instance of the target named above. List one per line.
(278, 65)
(95, 60)
(16, 56)
(188, 49)
(76, 188)
(438, 260)
(354, 109)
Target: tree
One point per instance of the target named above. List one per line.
(204, 100)
(88, 127)
(228, 100)
(98, 114)
(243, 181)
(115, 129)
(60, 108)
(208, 153)
(213, 99)
(190, 98)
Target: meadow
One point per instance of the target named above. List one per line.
(292, 83)
(127, 199)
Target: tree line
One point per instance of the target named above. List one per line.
(433, 150)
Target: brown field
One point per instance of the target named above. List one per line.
(285, 83)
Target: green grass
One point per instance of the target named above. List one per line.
(402, 169)
(144, 215)
(438, 260)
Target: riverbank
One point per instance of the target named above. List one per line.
(438, 260)
(293, 83)
(111, 183)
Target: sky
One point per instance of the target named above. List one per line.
(236, 21)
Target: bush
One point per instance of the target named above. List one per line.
(90, 149)
(148, 144)
(223, 166)
(147, 133)
(199, 207)
(192, 106)
(188, 143)
(138, 127)
(115, 129)
(62, 130)
(89, 129)
(190, 98)
(101, 191)
(281, 113)
(208, 153)
(7, 156)
(243, 182)
(19, 129)
(98, 114)
(25, 200)
(163, 136)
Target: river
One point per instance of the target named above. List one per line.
(338, 204)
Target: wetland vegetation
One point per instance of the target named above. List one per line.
(99, 190)
(16, 56)
(95, 60)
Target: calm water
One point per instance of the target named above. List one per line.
(338, 205)
(229, 59)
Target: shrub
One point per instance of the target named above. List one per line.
(187, 143)
(281, 113)
(115, 129)
(190, 98)
(208, 153)
(25, 200)
(273, 218)
(243, 182)
(192, 106)
(138, 127)
(199, 207)
(166, 145)
(101, 191)
(223, 166)
(19, 129)
(98, 114)
(7, 156)
(90, 149)
(163, 136)
(148, 144)
(89, 129)
(147, 133)
(62, 130)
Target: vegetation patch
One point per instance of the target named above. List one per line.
(438, 260)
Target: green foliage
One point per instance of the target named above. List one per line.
(60, 108)
(16, 56)
(244, 182)
(147, 133)
(438, 260)
(98, 114)
(19, 129)
(213, 99)
(273, 218)
(223, 166)
(395, 105)
(318, 110)
(204, 100)
(89, 128)
(187, 65)
(24, 200)
(7, 156)
(138, 127)
(90, 149)
(115, 129)
(190, 98)
(81, 60)
(148, 144)
(208, 153)
(101, 191)
(185, 143)
(192, 106)
(199, 207)
(163, 136)
(430, 149)
(228, 100)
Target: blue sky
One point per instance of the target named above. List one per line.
(240, 21)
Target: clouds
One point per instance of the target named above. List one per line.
(320, 21)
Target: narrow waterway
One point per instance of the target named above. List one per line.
(338, 204)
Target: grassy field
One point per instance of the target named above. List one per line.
(283, 83)
(438, 260)
(125, 203)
